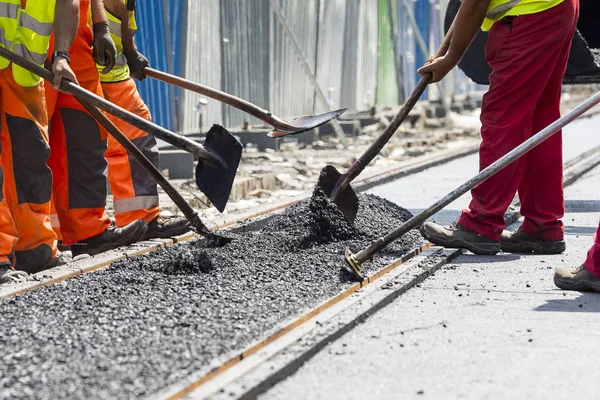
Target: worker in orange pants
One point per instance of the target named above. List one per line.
(78, 143)
(27, 241)
(135, 193)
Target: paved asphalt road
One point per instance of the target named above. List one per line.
(481, 327)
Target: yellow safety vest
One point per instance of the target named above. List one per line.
(499, 9)
(121, 71)
(26, 32)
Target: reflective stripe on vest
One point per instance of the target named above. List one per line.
(497, 9)
(9, 10)
(120, 72)
(26, 32)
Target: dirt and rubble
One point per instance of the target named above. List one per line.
(269, 176)
(148, 322)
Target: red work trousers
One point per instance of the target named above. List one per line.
(77, 146)
(528, 57)
(135, 195)
(26, 237)
(592, 262)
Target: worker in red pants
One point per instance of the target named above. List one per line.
(77, 146)
(135, 193)
(586, 277)
(528, 47)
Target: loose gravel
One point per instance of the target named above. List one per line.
(146, 323)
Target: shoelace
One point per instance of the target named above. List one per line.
(13, 276)
(579, 269)
(455, 226)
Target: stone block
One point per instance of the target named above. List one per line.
(179, 163)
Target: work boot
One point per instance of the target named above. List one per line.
(162, 228)
(578, 279)
(56, 261)
(520, 242)
(456, 236)
(9, 275)
(111, 238)
(60, 259)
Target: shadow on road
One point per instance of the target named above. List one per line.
(469, 258)
(587, 302)
(580, 230)
(582, 206)
(443, 217)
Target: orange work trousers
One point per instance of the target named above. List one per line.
(135, 194)
(77, 144)
(26, 236)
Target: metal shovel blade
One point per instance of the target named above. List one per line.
(347, 201)
(215, 182)
(306, 123)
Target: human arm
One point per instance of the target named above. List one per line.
(66, 16)
(135, 60)
(105, 51)
(468, 20)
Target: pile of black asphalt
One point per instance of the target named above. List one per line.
(146, 323)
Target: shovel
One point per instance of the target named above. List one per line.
(280, 127)
(219, 158)
(355, 260)
(192, 216)
(336, 185)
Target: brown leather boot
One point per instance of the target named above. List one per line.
(578, 279)
(456, 236)
(520, 242)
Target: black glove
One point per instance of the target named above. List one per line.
(105, 51)
(137, 62)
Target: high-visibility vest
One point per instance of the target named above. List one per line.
(26, 32)
(121, 71)
(499, 9)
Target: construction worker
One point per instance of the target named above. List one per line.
(78, 143)
(27, 240)
(135, 194)
(528, 47)
(586, 277)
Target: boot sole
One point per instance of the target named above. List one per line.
(481, 249)
(579, 286)
(558, 247)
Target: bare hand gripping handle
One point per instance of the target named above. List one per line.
(355, 260)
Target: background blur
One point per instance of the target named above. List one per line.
(364, 53)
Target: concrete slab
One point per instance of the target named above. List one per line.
(179, 163)
(352, 128)
(481, 327)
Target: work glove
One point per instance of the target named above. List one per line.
(105, 51)
(136, 62)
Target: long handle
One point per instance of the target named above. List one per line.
(416, 94)
(512, 156)
(359, 165)
(170, 137)
(240, 104)
(177, 198)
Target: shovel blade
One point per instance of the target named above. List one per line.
(347, 200)
(307, 123)
(216, 183)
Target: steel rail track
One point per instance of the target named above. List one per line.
(103, 261)
(574, 169)
(198, 385)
